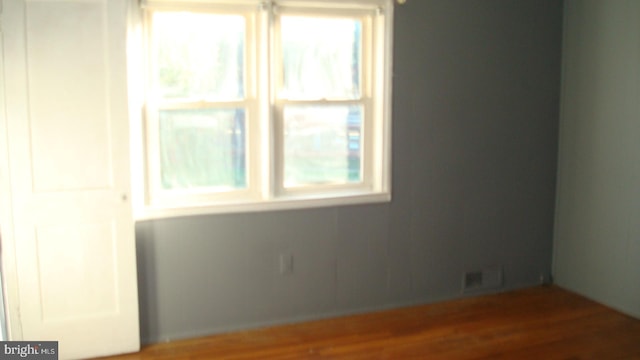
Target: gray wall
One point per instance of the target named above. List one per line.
(476, 101)
(597, 234)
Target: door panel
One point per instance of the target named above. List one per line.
(67, 125)
(73, 98)
(87, 265)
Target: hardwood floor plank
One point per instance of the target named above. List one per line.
(538, 323)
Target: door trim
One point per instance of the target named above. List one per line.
(7, 241)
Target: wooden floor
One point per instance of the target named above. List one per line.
(537, 323)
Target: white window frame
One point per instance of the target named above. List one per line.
(265, 105)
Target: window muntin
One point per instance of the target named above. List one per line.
(289, 104)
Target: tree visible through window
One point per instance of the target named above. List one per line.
(322, 61)
(221, 129)
(200, 57)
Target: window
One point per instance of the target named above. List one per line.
(266, 104)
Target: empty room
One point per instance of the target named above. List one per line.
(333, 179)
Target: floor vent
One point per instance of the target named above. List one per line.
(483, 279)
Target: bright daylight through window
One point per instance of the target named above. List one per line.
(253, 105)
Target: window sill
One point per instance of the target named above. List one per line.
(285, 203)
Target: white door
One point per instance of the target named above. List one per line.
(67, 141)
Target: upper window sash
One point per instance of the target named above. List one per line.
(361, 50)
(359, 5)
(377, 5)
(218, 6)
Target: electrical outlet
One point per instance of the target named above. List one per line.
(286, 264)
(546, 279)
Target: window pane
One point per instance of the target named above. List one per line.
(322, 145)
(203, 148)
(321, 58)
(199, 56)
